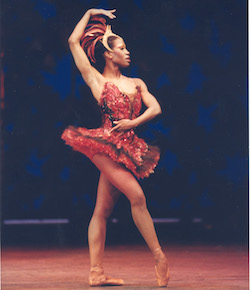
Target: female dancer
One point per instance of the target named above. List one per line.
(114, 148)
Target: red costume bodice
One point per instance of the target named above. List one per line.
(125, 148)
(116, 105)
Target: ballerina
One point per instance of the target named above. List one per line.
(115, 149)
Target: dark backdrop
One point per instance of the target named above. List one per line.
(192, 56)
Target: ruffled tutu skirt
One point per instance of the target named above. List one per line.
(127, 149)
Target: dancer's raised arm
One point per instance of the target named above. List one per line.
(89, 73)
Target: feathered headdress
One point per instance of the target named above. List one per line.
(96, 30)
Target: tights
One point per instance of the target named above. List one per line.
(114, 180)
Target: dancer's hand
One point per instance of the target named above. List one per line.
(108, 13)
(122, 125)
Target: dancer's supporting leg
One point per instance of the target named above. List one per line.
(107, 196)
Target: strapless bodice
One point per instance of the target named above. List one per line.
(116, 105)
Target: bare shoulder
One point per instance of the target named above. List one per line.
(140, 83)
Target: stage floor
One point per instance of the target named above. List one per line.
(192, 267)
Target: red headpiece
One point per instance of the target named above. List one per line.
(96, 30)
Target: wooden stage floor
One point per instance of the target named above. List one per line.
(192, 267)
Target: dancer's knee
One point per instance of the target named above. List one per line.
(103, 213)
(138, 200)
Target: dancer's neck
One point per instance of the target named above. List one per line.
(112, 71)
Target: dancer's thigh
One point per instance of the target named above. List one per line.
(119, 176)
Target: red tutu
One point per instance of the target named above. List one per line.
(126, 148)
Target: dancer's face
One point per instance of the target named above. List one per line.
(120, 54)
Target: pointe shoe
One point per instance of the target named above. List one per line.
(162, 281)
(97, 278)
(162, 266)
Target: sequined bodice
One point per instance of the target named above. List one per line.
(116, 105)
